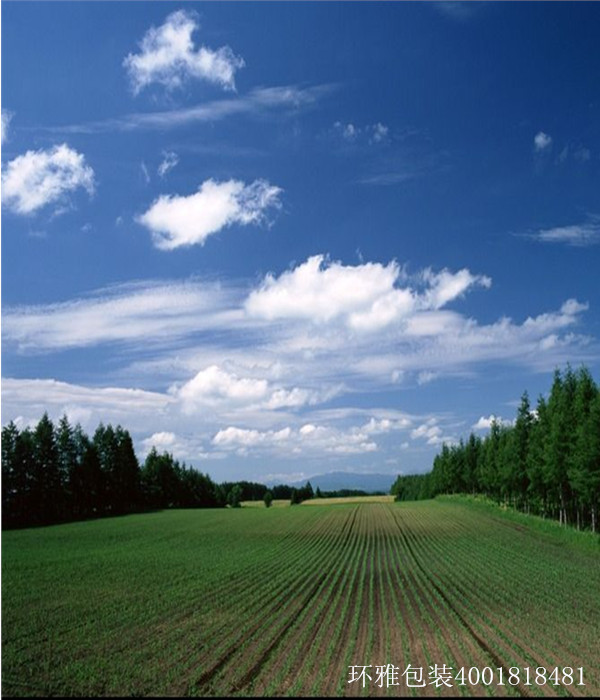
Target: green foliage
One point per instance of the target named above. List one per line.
(268, 499)
(547, 463)
(302, 494)
(56, 474)
(235, 496)
(412, 487)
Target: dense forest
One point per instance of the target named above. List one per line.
(57, 474)
(547, 462)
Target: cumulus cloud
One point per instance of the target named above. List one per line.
(213, 386)
(365, 297)
(169, 161)
(6, 120)
(169, 57)
(38, 178)
(542, 142)
(431, 433)
(181, 447)
(385, 425)
(307, 439)
(486, 423)
(445, 286)
(176, 221)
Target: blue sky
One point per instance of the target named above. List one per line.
(280, 239)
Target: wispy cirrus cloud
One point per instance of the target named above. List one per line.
(38, 178)
(156, 312)
(176, 221)
(169, 161)
(82, 403)
(580, 235)
(262, 101)
(7, 117)
(168, 57)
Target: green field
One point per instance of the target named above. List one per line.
(282, 601)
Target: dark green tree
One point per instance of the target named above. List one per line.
(45, 491)
(235, 496)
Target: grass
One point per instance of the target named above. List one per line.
(278, 601)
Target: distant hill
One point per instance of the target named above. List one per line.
(334, 481)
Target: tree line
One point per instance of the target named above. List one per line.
(53, 474)
(546, 463)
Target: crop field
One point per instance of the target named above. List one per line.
(283, 601)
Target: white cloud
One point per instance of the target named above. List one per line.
(316, 331)
(176, 221)
(431, 433)
(180, 447)
(288, 442)
(379, 132)
(258, 102)
(140, 312)
(365, 296)
(170, 160)
(347, 131)
(425, 377)
(145, 172)
(168, 57)
(486, 423)
(385, 425)
(446, 286)
(162, 440)
(38, 178)
(576, 235)
(5, 124)
(90, 405)
(321, 291)
(214, 387)
(542, 142)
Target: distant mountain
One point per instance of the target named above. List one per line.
(334, 481)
